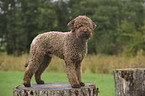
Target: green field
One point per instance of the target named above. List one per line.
(96, 68)
(8, 80)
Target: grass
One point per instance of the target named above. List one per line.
(8, 80)
(91, 64)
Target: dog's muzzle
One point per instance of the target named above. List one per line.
(86, 34)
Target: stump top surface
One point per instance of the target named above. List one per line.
(52, 86)
(129, 69)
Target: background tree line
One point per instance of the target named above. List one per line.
(120, 23)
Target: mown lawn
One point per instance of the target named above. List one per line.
(8, 80)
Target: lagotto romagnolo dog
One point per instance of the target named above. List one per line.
(69, 46)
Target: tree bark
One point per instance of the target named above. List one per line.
(129, 82)
(55, 89)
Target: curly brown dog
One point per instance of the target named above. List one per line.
(69, 46)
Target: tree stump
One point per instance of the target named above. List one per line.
(55, 89)
(129, 82)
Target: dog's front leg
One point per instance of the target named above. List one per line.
(79, 72)
(71, 73)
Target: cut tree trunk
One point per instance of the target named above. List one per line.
(56, 89)
(129, 82)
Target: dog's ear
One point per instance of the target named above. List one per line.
(71, 25)
(94, 25)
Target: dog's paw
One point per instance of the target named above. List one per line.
(82, 84)
(76, 86)
(40, 82)
(27, 84)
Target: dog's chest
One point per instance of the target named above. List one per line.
(77, 52)
(79, 56)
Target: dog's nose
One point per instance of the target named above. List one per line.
(85, 30)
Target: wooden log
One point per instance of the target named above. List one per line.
(55, 89)
(129, 82)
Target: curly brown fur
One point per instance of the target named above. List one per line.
(69, 46)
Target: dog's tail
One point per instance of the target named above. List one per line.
(26, 64)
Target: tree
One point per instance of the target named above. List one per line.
(46, 19)
(107, 15)
(61, 9)
(131, 40)
(8, 17)
(22, 20)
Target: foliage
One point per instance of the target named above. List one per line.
(131, 39)
(120, 23)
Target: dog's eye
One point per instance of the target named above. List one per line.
(80, 26)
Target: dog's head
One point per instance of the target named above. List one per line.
(83, 26)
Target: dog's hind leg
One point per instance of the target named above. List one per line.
(42, 67)
(34, 63)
